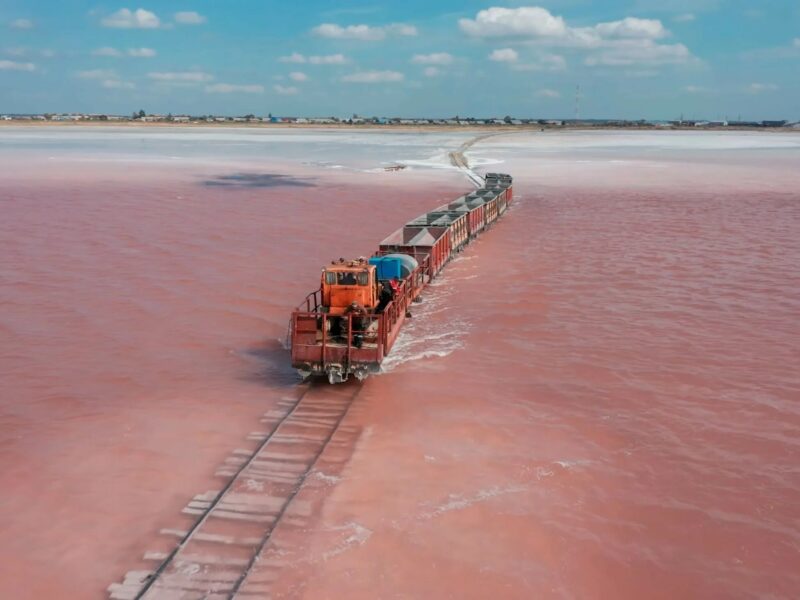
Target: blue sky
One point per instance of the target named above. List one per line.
(631, 58)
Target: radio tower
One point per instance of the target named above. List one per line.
(577, 102)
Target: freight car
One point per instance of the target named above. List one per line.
(349, 325)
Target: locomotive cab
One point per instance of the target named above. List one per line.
(345, 282)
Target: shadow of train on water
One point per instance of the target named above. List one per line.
(257, 180)
(273, 366)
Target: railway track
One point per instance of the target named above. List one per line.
(217, 552)
(458, 158)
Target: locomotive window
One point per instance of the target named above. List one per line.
(347, 278)
(330, 278)
(363, 278)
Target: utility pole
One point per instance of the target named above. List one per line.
(577, 102)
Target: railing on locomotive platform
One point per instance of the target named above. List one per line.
(330, 348)
(341, 348)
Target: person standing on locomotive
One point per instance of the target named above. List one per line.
(358, 322)
(385, 297)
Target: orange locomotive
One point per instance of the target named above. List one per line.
(351, 322)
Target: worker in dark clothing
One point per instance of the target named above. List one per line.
(386, 295)
(358, 322)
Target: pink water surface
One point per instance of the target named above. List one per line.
(143, 314)
(599, 398)
(605, 401)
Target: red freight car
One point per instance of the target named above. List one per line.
(419, 242)
(455, 222)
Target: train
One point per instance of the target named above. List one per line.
(349, 324)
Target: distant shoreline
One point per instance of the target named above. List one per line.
(380, 127)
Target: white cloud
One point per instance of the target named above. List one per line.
(363, 32)
(286, 90)
(141, 52)
(402, 29)
(107, 51)
(127, 19)
(374, 77)
(96, 74)
(189, 17)
(294, 57)
(107, 78)
(432, 71)
(796, 42)
(526, 21)
(504, 55)
(695, 89)
(536, 23)
(116, 84)
(684, 18)
(298, 76)
(10, 65)
(640, 73)
(352, 32)
(229, 88)
(635, 52)
(330, 59)
(301, 59)
(181, 77)
(553, 62)
(546, 93)
(21, 24)
(436, 58)
(627, 41)
(632, 28)
(134, 52)
(545, 62)
(21, 51)
(758, 88)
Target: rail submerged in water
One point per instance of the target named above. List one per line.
(335, 340)
(229, 549)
